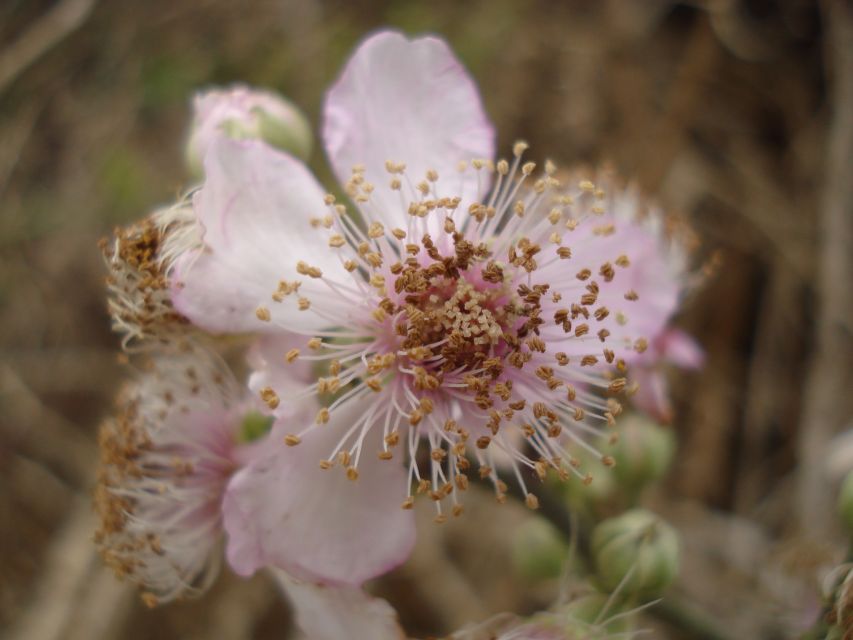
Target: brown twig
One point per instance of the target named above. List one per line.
(827, 403)
(45, 34)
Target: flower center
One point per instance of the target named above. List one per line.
(470, 325)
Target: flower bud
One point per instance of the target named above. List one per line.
(639, 548)
(845, 501)
(594, 609)
(643, 452)
(589, 498)
(538, 550)
(242, 113)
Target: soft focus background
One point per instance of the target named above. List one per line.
(737, 114)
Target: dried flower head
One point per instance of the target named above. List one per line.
(138, 258)
(165, 459)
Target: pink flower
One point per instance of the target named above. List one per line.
(242, 113)
(477, 301)
(670, 347)
(165, 461)
(184, 427)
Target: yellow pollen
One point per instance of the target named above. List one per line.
(307, 270)
(270, 397)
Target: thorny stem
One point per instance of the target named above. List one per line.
(674, 610)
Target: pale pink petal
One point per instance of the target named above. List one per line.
(270, 369)
(408, 101)
(284, 511)
(331, 613)
(681, 349)
(652, 396)
(255, 207)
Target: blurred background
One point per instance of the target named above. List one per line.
(738, 115)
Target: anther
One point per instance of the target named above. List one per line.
(270, 397)
(307, 270)
(617, 385)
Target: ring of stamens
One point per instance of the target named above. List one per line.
(457, 324)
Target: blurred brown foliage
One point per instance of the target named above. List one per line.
(725, 111)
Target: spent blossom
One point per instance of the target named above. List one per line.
(165, 460)
(183, 427)
(478, 307)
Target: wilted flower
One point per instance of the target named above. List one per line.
(244, 113)
(479, 304)
(165, 461)
(139, 301)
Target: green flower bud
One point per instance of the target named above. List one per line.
(593, 609)
(639, 548)
(241, 113)
(538, 550)
(845, 501)
(599, 490)
(642, 453)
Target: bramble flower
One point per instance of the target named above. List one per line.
(670, 347)
(244, 113)
(165, 460)
(471, 305)
(184, 427)
(139, 302)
